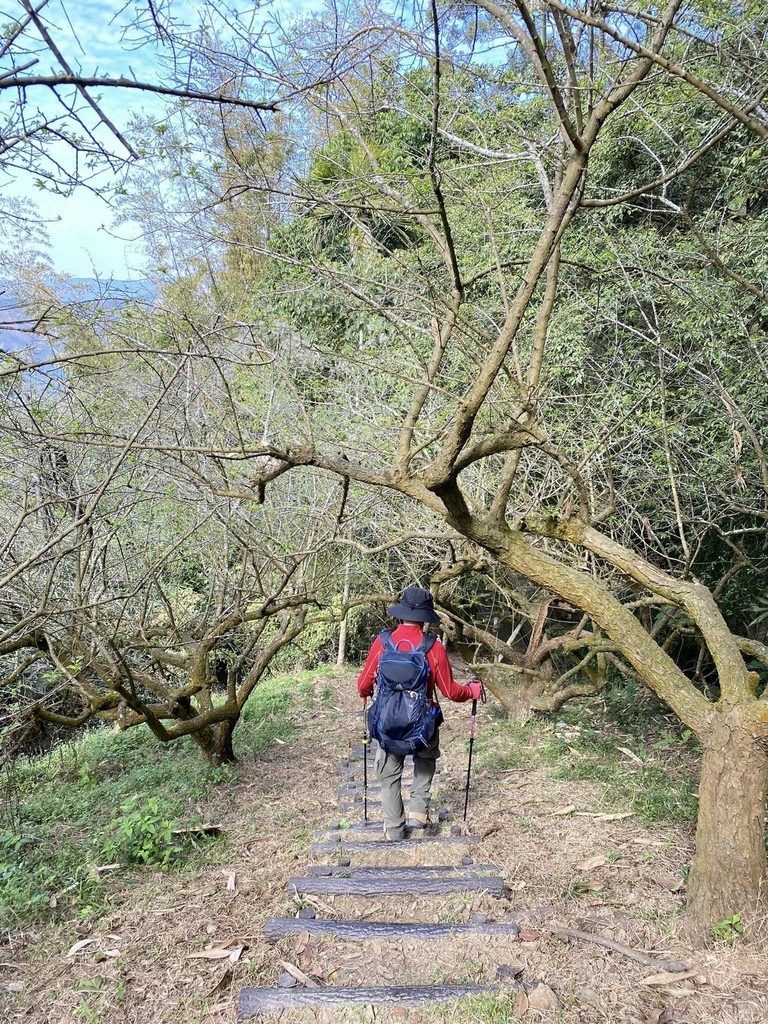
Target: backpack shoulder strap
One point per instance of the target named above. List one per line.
(385, 636)
(428, 643)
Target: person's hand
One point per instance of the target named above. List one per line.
(475, 688)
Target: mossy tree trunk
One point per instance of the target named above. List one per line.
(730, 862)
(729, 868)
(215, 741)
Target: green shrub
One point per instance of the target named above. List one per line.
(62, 821)
(143, 835)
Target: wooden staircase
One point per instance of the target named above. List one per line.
(355, 839)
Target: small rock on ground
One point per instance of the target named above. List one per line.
(543, 998)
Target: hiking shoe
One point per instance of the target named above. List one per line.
(418, 822)
(393, 837)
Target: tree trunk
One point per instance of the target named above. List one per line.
(730, 861)
(516, 688)
(341, 655)
(215, 741)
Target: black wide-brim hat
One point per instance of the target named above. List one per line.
(416, 605)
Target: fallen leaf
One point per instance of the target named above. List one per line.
(581, 886)
(491, 831)
(615, 817)
(631, 755)
(592, 862)
(569, 809)
(668, 977)
(521, 1004)
(13, 986)
(668, 882)
(529, 936)
(235, 954)
(214, 953)
(231, 880)
(531, 800)
(299, 975)
(222, 984)
(80, 945)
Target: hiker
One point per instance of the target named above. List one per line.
(406, 663)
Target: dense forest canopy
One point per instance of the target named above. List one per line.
(465, 294)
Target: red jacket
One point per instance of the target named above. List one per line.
(438, 663)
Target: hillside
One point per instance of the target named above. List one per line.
(179, 944)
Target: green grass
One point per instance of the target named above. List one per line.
(70, 812)
(660, 789)
(488, 1009)
(582, 742)
(114, 797)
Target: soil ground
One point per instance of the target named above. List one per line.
(178, 947)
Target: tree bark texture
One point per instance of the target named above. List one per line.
(399, 872)
(272, 1000)
(360, 846)
(215, 741)
(277, 928)
(730, 862)
(422, 885)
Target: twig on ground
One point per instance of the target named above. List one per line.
(673, 967)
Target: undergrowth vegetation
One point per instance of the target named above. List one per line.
(625, 739)
(119, 798)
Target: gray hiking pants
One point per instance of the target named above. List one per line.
(389, 772)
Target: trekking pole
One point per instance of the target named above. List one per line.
(471, 745)
(365, 761)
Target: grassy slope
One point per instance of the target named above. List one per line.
(146, 921)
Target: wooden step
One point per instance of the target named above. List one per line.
(399, 885)
(270, 1000)
(396, 871)
(357, 806)
(375, 827)
(347, 839)
(349, 845)
(404, 871)
(359, 828)
(278, 928)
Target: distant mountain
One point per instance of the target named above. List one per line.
(15, 324)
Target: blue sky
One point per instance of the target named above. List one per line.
(90, 33)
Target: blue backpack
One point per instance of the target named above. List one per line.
(402, 718)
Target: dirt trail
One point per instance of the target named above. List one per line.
(560, 866)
